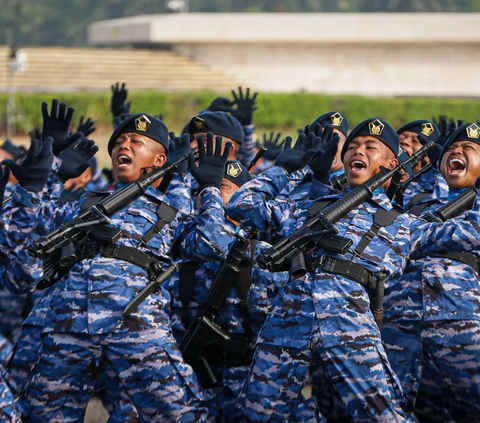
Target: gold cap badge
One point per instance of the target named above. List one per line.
(473, 131)
(336, 119)
(142, 123)
(234, 169)
(199, 122)
(376, 127)
(427, 129)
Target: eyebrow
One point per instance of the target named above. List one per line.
(365, 142)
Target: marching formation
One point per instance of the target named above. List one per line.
(212, 277)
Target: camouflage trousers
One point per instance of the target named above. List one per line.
(148, 366)
(358, 370)
(451, 352)
(107, 387)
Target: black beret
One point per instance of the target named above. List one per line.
(220, 123)
(335, 119)
(425, 127)
(237, 173)
(142, 124)
(466, 132)
(8, 146)
(379, 129)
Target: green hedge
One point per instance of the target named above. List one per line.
(275, 111)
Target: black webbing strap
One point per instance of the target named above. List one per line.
(165, 214)
(186, 285)
(381, 219)
(319, 205)
(416, 208)
(165, 182)
(242, 285)
(465, 257)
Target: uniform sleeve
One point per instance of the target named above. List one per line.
(318, 190)
(179, 194)
(247, 150)
(210, 234)
(253, 204)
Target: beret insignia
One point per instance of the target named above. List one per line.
(3, 140)
(376, 127)
(427, 129)
(473, 131)
(336, 119)
(142, 123)
(400, 150)
(233, 170)
(199, 122)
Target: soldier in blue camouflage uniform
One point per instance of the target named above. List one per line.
(88, 328)
(324, 311)
(434, 314)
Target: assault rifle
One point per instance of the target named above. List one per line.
(339, 182)
(403, 186)
(288, 254)
(58, 248)
(204, 331)
(454, 207)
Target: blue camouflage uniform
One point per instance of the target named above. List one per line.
(424, 183)
(83, 327)
(432, 318)
(323, 312)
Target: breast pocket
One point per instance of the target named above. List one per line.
(383, 243)
(138, 220)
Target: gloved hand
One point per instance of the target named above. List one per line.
(321, 164)
(119, 119)
(445, 131)
(75, 158)
(220, 104)
(35, 134)
(177, 148)
(33, 173)
(296, 158)
(159, 116)
(433, 153)
(4, 175)
(57, 124)
(72, 194)
(245, 106)
(211, 166)
(86, 128)
(274, 145)
(119, 95)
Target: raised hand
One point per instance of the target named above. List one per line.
(211, 166)
(274, 145)
(75, 158)
(35, 169)
(86, 128)
(119, 119)
(446, 130)
(295, 158)
(220, 104)
(57, 124)
(245, 106)
(72, 194)
(433, 153)
(323, 160)
(119, 96)
(177, 148)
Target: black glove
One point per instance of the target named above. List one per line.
(211, 167)
(86, 128)
(274, 145)
(159, 116)
(245, 106)
(172, 136)
(57, 124)
(33, 173)
(4, 176)
(119, 119)
(445, 131)
(296, 158)
(75, 158)
(433, 153)
(35, 134)
(119, 95)
(220, 104)
(71, 194)
(177, 148)
(321, 164)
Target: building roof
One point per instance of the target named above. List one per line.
(288, 27)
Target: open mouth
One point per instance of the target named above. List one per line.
(124, 161)
(357, 166)
(456, 166)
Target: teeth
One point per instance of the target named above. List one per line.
(458, 161)
(359, 163)
(124, 159)
(457, 164)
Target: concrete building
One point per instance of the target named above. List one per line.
(333, 53)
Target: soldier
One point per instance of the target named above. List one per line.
(84, 324)
(434, 314)
(328, 309)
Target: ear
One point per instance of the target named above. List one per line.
(392, 163)
(160, 159)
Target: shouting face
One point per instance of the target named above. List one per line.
(460, 164)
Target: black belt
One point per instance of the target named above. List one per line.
(150, 263)
(231, 359)
(345, 268)
(467, 258)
